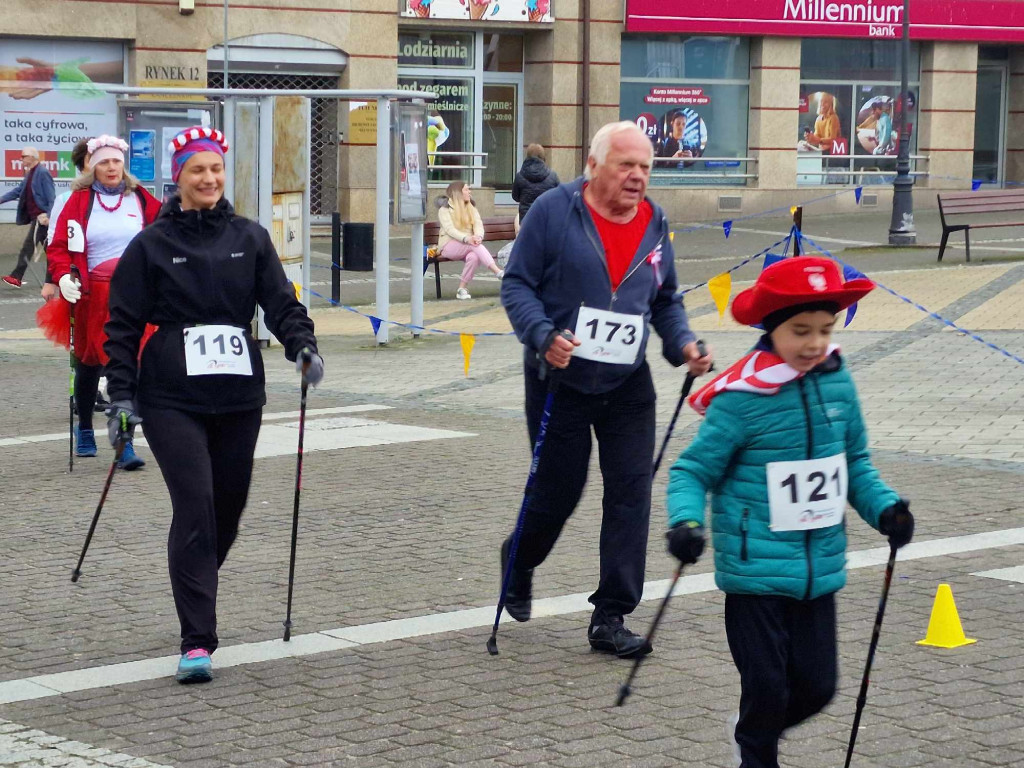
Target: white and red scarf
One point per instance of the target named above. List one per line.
(760, 372)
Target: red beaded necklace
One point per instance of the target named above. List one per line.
(120, 199)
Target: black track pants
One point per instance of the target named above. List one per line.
(622, 420)
(785, 651)
(206, 462)
(87, 384)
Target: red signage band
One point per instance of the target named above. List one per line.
(958, 20)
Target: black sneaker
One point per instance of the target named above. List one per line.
(611, 636)
(519, 598)
(101, 404)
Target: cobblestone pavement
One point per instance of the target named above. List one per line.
(397, 572)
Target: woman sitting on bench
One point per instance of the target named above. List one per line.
(462, 235)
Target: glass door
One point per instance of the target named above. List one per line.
(989, 124)
(501, 134)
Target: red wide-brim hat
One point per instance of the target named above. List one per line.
(797, 280)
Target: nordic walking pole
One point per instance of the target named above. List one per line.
(122, 438)
(71, 380)
(862, 697)
(624, 689)
(306, 359)
(542, 431)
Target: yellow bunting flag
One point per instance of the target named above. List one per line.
(298, 290)
(792, 211)
(721, 287)
(467, 340)
(671, 237)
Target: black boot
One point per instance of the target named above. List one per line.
(609, 635)
(519, 598)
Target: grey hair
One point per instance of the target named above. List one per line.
(602, 140)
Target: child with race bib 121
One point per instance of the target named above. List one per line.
(782, 449)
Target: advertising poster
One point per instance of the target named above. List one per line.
(48, 100)
(449, 122)
(687, 122)
(409, 183)
(825, 119)
(142, 154)
(879, 112)
(479, 10)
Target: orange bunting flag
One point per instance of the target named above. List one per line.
(467, 340)
(720, 287)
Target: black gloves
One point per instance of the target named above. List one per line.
(686, 542)
(897, 523)
(114, 412)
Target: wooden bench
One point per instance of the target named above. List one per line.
(961, 204)
(496, 229)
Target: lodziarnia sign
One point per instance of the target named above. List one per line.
(961, 20)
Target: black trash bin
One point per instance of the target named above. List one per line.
(357, 247)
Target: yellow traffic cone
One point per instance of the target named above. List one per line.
(944, 628)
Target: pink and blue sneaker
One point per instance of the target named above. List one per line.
(195, 667)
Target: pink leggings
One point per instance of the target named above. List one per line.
(474, 256)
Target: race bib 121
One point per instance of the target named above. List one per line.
(803, 495)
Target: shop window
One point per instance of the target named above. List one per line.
(503, 53)
(851, 112)
(476, 121)
(691, 96)
(449, 123)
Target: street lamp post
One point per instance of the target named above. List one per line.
(901, 227)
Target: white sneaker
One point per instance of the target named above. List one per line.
(730, 732)
(462, 294)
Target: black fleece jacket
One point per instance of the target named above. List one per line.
(190, 268)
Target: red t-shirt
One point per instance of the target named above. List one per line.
(621, 241)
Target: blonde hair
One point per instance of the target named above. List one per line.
(602, 142)
(85, 180)
(462, 216)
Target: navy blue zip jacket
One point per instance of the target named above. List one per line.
(558, 264)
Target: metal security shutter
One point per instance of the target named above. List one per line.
(324, 138)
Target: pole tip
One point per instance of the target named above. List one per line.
(74, 575)
(624, 691)
(492, 646)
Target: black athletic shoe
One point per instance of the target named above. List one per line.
(611, 636)
(519, 598)
(101, 404)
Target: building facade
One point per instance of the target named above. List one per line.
(749, 105)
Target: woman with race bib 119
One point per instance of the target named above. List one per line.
(198, 390)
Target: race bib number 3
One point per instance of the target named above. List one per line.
(211, 349)
(804, 495)
(76, 238)
(608, 337)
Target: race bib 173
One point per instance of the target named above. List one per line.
(608, 337)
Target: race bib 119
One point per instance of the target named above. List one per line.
(803, 495)
(211, 349)
(608, 337)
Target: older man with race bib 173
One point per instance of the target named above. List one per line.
(594, 258)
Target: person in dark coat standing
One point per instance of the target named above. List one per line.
(35, 199)
(198, 273)
(533, 180)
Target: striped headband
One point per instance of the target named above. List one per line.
(191, 141)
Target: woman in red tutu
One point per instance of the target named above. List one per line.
(107, 208)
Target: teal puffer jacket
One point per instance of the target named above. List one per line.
(813, 417)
